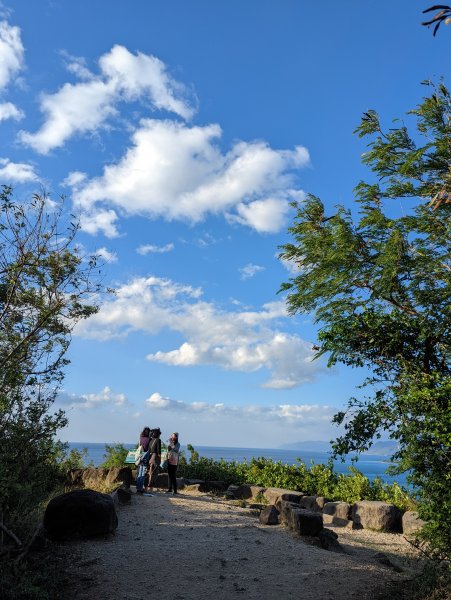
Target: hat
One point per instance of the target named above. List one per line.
(156, 431)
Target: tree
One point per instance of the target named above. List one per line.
(379, 286)
(443, 15)
(45, 288)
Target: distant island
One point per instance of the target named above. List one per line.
(387, 448)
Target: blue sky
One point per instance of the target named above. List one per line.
(179, 132)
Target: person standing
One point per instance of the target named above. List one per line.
(154, 458)
(173, 461)
(144, 440)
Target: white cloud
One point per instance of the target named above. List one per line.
(177, 172)
(151, 249)
(292, 414)
(11, 53)
(87, 106)
(16, 172)
(9, 111)
(106, 255)
(249, 270)
(239, 340)
(104, 398)
(265, 216)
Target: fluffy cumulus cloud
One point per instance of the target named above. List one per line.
(11, 53)
(11, 63)
(104, 398)
(292, 414)
(10, 111)
(236, 340)
(86, 106)
(12, 172)
(177, 172)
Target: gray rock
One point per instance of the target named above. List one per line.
(273, 495)
(80, 513)
(309, 522)
(337, 513)
(92, 477)
(376, 515)
(124, 495)
(303, 521)
(411, 522)
(269, 516)
(314, 503)
(328, 540)
(212, 486)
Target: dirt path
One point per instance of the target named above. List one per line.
(194, 546)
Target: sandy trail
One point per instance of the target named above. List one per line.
(194, 546)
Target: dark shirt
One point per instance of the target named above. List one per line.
(144, 442)
(155, 451)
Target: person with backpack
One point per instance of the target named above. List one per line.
(143, 464)
(154, 459)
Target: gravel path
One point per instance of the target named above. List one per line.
(196, 547)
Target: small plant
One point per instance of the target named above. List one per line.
(260, 498)
(114, 456)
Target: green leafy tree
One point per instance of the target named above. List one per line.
(46, 287)
(379, 286)
(114, 456)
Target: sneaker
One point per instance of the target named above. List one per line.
(148, 494)
(175, 493)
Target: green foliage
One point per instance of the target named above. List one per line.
(316, 480)
(74, 459)
(114, 456)
(45, 289)
(379, 287)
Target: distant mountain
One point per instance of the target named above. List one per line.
(386, 448)
(314, 446)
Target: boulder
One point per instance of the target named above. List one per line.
(80, 513)
(314, 503)
(212, 486)
(411, 522)
(376, 515)
(162, 481)
(192, 487)
(269, 515)
(189, 481)
(305, 522)
(328, 540)
(232, 491)
(286, 509)
(180, 483)
(122, 496)
(95, 477)
(244, 491)
(309, 522)
(337, 513)
(272, 495)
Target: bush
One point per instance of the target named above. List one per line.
(114, 456)
(316, 480)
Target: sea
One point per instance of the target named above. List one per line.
(371, 465)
